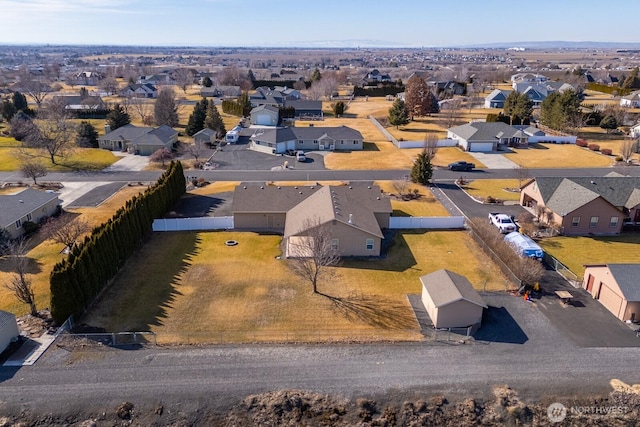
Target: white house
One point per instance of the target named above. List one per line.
(632, 100)
(8, 329)
(486, 136)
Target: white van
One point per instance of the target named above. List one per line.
(301, 157)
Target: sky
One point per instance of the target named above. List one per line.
(329, 23)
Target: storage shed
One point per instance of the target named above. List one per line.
(450, 300)
(8, 329)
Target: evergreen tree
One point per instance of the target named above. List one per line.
(207, 82)
(632, 81)
(8, 110)
(560, 110)
(245, 104)
(338, 108)
(609, 123)
(20, 101)
(422, 169)
(118, 117)
(250, 76)
(518, 105)
(165, 110)
(213, 120)
(87, 135)
(197, 118)
(316, 76)
(398, 113)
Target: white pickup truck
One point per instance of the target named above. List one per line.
(503, 222)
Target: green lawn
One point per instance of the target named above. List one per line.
(575, 252)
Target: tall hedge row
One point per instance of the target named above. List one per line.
(77, 280)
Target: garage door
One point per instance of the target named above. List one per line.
(610, 300)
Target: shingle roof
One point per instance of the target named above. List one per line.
(351, 205)
(141, 135)
(626, 276)
(125, 133)
(16, 206)
(446, 287)
(269, 198)
(486, 131)
(6, 318)
(567, 194)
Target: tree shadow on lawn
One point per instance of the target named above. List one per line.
(395, 255)
(374, 310)
(193, 205)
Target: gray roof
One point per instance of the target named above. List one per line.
(486, 131)
(206, 132)
(141, 135)
(564, 195)
(6, 318)
(267, 107)
(275, 135)
(303, 104)
(626, 276)
(354, 206)
(16, 206)
(269, 198)
(125, 133)
(499, 95)
(446, 287)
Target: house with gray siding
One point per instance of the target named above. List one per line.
(486, 136)
(311, 138)
(139, 140)
(28, 205)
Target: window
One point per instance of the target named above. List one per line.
(300, 142)
(614, 222)
(594, 221)
(19, 223)
(575, 221)
(29, 217)
(315, 141)
(369, 244)
(355, 142)
(335, 243)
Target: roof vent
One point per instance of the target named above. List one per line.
(21, 201)
(262, 187)
(378, 198)
(369, 187)
(245, 187)
(593, 182)
(300, 192)
(279, 187)
(296, 187)
(350, 188)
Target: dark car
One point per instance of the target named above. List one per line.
(461, 166)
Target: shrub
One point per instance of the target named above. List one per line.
(581, 143)
(606, 151)
(619, 159)
(30, 227)
(593, 147)
(490, 199)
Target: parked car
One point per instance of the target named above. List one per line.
(503, 222)
(462, 166)
(301, 157)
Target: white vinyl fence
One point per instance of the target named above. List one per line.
(193, 224)
(419, 144)
(433, 222)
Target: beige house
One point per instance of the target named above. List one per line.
(139, 140)
(356, 214)
(585, 205)
(450, 300)
(617, 287)
(28, 205)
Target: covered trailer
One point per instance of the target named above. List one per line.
(524, 245)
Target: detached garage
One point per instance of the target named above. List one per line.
(617, 288)
(8, 329)
(450, 300)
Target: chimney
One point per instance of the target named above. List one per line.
(107, 129)
(350, 218)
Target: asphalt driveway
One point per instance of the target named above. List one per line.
(238, 157)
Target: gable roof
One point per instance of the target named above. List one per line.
(486, 131)
(626, 276)
(125, 133)
(446, 287)
(6, 318)
(141, 135)
(567, 194)
(498, 95)
(275, 135)
(16, 206)
(354, 206)
(205, 132)
(269, 198)
(265, 107)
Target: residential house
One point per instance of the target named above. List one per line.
(205, 136)
(632, 100)
(355, 215)
(157, 80)
(450, 300)
(279, 140)
(585, 205)
(85, 78)
(449, 87)
(8, 329)
(375, 76)
(146, 90)
(29, 205)
(634, 132)
(81, 105)
(139, 140)
(265, 115)
(306, 109)
(486, 136)
(528, 77)
(221, 92)
(617, 288)
(496, 98)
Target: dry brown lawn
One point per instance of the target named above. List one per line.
(190, 287)
(497, 188)
(559, 156)
(45, 254)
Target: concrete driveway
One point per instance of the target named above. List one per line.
(128, 162)
(494, 160)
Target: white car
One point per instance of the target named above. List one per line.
(301, 157)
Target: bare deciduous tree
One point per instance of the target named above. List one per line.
(528, 270)
(33, 169)
(36, 88)
(431, 144)
(196, 150)
(142, 108)
(401, 186)
(521, 174)
(55, 137)
(66, 230)
(19, 282)
(183, 78)
(162, 155)
(627, 149)
(312, 253)
(451, 112)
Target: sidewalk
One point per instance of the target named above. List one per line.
(30, 351)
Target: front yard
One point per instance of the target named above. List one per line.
(559, 156)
